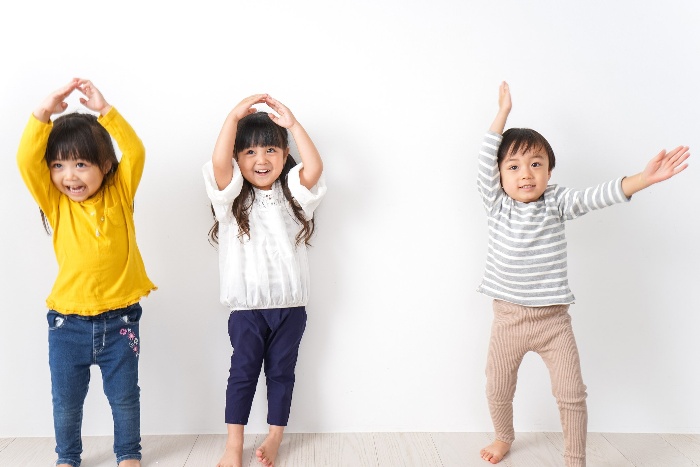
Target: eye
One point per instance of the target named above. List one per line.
(537, 164)
(271, 150)
(56, 165)
(513, 167)
(81, 165)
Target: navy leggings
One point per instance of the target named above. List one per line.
(270, 336)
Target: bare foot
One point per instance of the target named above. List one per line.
(233, 454)
(233, 457)
(495, 451)
(130, 463)
(267, 452)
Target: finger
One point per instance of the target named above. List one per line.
(256, 99)
(673, 157)
(681, 159)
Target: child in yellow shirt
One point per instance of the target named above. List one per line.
(86, 197)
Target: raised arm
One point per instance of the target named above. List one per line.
(504, 105)
(313, 165)
(662, 167)
(223, 151)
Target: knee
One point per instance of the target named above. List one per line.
(572, 398)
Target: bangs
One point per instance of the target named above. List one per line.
(78, 137)
(257, 130)
(524, 140)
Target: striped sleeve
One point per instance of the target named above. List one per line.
(576, 203)
(488, 177)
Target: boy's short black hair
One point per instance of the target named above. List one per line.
(524, 139)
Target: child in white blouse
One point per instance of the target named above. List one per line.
(263, 209)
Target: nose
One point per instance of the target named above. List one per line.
(70, 174)
(260, 155)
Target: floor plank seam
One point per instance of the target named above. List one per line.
(432, 441)
(376, 452)
(187, 459)
(617, 449)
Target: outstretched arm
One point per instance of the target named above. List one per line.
(313, 165)
(504, 105)
(662, 167)
(223, 151)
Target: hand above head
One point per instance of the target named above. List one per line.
(55, 103)
(286, 118)
(245, 107)
(95, 101)
(504, 105)
(662, 167)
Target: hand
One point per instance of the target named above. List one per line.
(286, 119)
(665, 165)
(55, 102)
(662, 167)
(504, 100)
(95, 101)
(504, 106)
(245, 107)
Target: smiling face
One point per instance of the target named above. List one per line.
(524, 174)
(262, 165)
(78, 179)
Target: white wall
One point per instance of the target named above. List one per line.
(396, 95)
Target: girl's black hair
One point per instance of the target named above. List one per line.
(257, 130)
(524, 139)
(80, 136)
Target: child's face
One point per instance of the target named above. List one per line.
(524, 175)
(77, 179)
(262, 165)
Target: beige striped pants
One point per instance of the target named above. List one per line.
(547, 331)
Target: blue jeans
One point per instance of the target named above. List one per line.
(111, 341)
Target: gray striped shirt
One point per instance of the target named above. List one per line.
(526, 260)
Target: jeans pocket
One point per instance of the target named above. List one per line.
(55, 320)
(132, 314)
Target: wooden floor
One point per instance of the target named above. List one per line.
(375, 449)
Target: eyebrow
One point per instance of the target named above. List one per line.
(514, 157)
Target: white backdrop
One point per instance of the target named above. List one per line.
(396, 94)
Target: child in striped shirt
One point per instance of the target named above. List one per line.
(526, 270)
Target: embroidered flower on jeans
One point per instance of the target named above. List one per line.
(133, 340)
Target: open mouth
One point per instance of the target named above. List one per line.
(75, 190)
(527, 187)
(262, 172)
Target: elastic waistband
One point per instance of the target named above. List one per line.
(106, 315)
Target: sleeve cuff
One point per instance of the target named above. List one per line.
(307, 199)
(230, 192)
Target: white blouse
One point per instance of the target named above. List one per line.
(267, 269)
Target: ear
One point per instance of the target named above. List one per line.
(286, 153)
(549, 175)
(107, 168)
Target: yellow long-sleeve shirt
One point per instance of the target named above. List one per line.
(99, 264)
